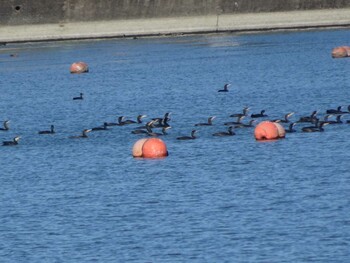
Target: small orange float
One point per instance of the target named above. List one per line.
(150, 148)
(79, 67)
(266, 130)
(341, 52)
(281, 130)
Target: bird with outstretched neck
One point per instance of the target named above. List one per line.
(51, 131)
(191, 137)
(229, 132)
(80, 97)
(225, 89)
(5, 126)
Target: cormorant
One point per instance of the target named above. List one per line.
(210, 122)
(51, 131)
(259, 115)
(79, 98)
(225, 88)
(11, 143)
(6, 126)
(229, 132)
(192, 137)
(83, 135)
(244, 113)
(101, 128)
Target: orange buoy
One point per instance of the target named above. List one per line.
(137, 148)
(341, 52)
(347, 50)
(150, 148)
(266, 130)
(79, 67)
(281, 130)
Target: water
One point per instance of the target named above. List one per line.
(213, 199)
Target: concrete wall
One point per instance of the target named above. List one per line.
(24, 12)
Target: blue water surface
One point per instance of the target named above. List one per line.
(213, 199)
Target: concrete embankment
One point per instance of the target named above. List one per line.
(67, 19)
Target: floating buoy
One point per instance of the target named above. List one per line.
(281, 130)
(150, 148)
(266, 130)
(79, 67)
(341, 52)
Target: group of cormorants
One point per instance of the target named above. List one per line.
(313, 122)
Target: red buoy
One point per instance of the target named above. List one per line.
(79, 67)
(341, 52)
(150, 148)
(266, 130)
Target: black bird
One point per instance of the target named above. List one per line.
(229, 132)
(6, 126)
(148, 126)
(244, 113)
(311, 118)
(285, 119)
(209, 123)
(119, 123)
(164, 132)
(83, 135)
(337, 121)
(335, 111)
(51, 131)
(79, 98)
(101, 128)
(238, 122)
(291, 127)
(317, 128)
(225, 88)
(138, 120)
(147, 130)
(162, 122)
(259, 115)
(192, 137)
(11, 143)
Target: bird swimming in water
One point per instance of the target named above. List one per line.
(6, 126)
(229, 132)
(317, 128)
(225, 88)
(238, 122)
(192, 137)
(141, 129)
(79, 98)
(286, 118)
(210, 122)
(11, 143)
(291, 127)
(259, 115)
(164, 132)
(336, 111)
(120, 122)
(83, 135)
(244, 113)
(311, 118)
(138, 120)
(162, 122)
(51, 131)
(337, 121)
(101, 128)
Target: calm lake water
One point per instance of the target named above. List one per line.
(213, 199)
